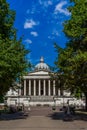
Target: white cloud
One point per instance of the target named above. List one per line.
(45, 3)
(53, 35)
(29, 23)
(31, 11)
(28, 41)
(55, 32)
(35, 34)
(59, 8)
(50, 2)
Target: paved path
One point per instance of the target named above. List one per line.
(43, 119)
(41, 111)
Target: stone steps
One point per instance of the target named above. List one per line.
(41, 98)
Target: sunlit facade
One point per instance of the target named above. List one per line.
(38, 88)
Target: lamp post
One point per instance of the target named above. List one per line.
(68, 108)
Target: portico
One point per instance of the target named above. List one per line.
(39, 87)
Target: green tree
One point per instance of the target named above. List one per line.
(13, 62)
(72, 60)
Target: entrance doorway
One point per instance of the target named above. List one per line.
(41, 91)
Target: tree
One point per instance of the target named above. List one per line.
(13, 62)
(72, 60)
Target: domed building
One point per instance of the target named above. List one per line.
(42, 65)
(38, 88)
(39, 85)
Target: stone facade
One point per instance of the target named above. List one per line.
(38, 88)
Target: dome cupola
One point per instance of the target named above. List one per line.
(42, 65)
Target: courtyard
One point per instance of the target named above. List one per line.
(42, 118)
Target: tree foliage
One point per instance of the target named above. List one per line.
(13, 62)
(72, 60)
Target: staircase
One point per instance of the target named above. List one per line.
(42, 98)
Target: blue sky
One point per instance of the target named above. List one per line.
(40, 22)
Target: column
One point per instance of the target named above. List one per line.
(44, 87)
(49, 88)
(54, 87)
(30, 87)
(34, 87)
(24, 87)
(39, 87)
(59, 92)
(19, 91)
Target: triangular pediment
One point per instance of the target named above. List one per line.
(41, 72)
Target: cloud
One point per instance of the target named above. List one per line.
(45, 3)
(49, 2)
(28, 41)
(59, 8)
(30, 23)
(53, 35)
(55, 32)
(31, 11)
(35, 34)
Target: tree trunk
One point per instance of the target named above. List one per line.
(86, 101)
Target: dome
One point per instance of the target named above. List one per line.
(42, 65)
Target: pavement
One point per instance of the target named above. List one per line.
(42, 118)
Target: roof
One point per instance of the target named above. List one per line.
(42, 65)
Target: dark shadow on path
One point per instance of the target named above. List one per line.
(62, 116)
(14, 116)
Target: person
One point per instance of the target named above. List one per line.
(65, 109)
(68, 108)
(68, 102)
(22, 106)
(72, 109)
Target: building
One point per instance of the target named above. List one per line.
(38, 88)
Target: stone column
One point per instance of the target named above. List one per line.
(19, 91)
(39, 87)
(30, 87)
(54, 87)
(44, 87)
(59, 92)
(24, 87)
(49, 88)
(34, 87)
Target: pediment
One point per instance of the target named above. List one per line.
(39, 73)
